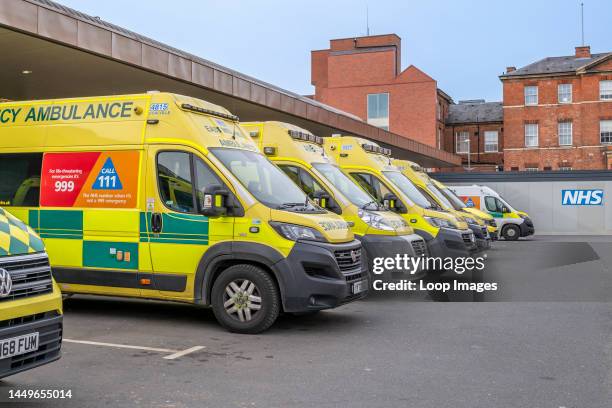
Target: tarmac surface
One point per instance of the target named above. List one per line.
(543, 339)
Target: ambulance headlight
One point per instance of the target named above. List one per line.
(374, 220)
(296, 232)
(470, 220)
(440, 222)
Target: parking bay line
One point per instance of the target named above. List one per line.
(174, 353)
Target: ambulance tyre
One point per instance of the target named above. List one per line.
(511, 232)
(245, 299)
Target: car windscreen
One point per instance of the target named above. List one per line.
(347, 187)
(435, 191)
(458, 204)
(407, 187)
(266, 182)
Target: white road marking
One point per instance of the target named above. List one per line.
(183, 353)
(126, 346)
(175, 353)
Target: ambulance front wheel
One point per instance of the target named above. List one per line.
(511, 232)
(245, 299)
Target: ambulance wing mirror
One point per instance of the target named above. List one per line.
(391, 202)
(505, 209)
(214, 201)
(323, 199)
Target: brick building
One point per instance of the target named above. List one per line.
(363, 76)
(558, 113)
(476, 127)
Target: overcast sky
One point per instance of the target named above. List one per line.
(464, 45)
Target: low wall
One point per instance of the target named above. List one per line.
(539, 194)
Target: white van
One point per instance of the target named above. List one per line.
(512, 223)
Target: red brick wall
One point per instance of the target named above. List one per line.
(477, 131)
(585, 112)
(343, 80)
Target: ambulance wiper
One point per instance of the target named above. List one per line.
(366, 205)
(289, 205)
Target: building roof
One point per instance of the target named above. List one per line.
(475, 112)
(557, 65)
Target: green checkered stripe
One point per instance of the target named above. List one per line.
(16, 238)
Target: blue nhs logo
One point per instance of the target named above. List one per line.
(582, 197)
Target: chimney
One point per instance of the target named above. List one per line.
(583, 51)
(510, 69)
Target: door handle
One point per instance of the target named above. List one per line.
(156, 223)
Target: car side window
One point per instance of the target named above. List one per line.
(309, 184)
(292, 172)
(491, 204)
(20, 179)
(175, 181)
(204, 178)
(365, 182)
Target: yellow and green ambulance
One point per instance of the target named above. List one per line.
(301, 156)
(513, 224)
(426, 186)
(30, 301)
(165, 196)
(371, 166)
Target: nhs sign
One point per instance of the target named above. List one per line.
(582, 197)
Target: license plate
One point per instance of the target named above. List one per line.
(359, 287)
(18, 345)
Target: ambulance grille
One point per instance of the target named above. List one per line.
(467, 237)
(348, 260)
(30, 276)
(419, 247)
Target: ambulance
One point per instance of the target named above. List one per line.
(370, 165)
(512, 223)
(301, 156)
(30, 301)
(164, 196)
(459, 204)
(425, 185)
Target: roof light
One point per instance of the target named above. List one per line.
(376, 149)
(197, 109)
(254, 133)
(26, 72)
(269, 150)
(306, 137)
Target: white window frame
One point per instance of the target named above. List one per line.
(605, 131)
(462, 139)
(565, 130)
(381, 122)
(532, 135)
(532, 169)
(565, 168)
(565, 93)
(488, 144)
(529, 95)
(605, 90)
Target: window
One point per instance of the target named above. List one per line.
(20, 179)
(491, 141)
(462, 144)
(531, 135)
(378, 110)
(565, 133)
(372, 185)
(204, 179)
(303, 179)
(565, 168)
(564, 93)
(531, 169)
(175, 184)
(493, 204)
(346, 186)
(605, 90)
(266, 182)
(531, 95)
(605, 131)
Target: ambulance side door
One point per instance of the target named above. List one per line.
(177, 232)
